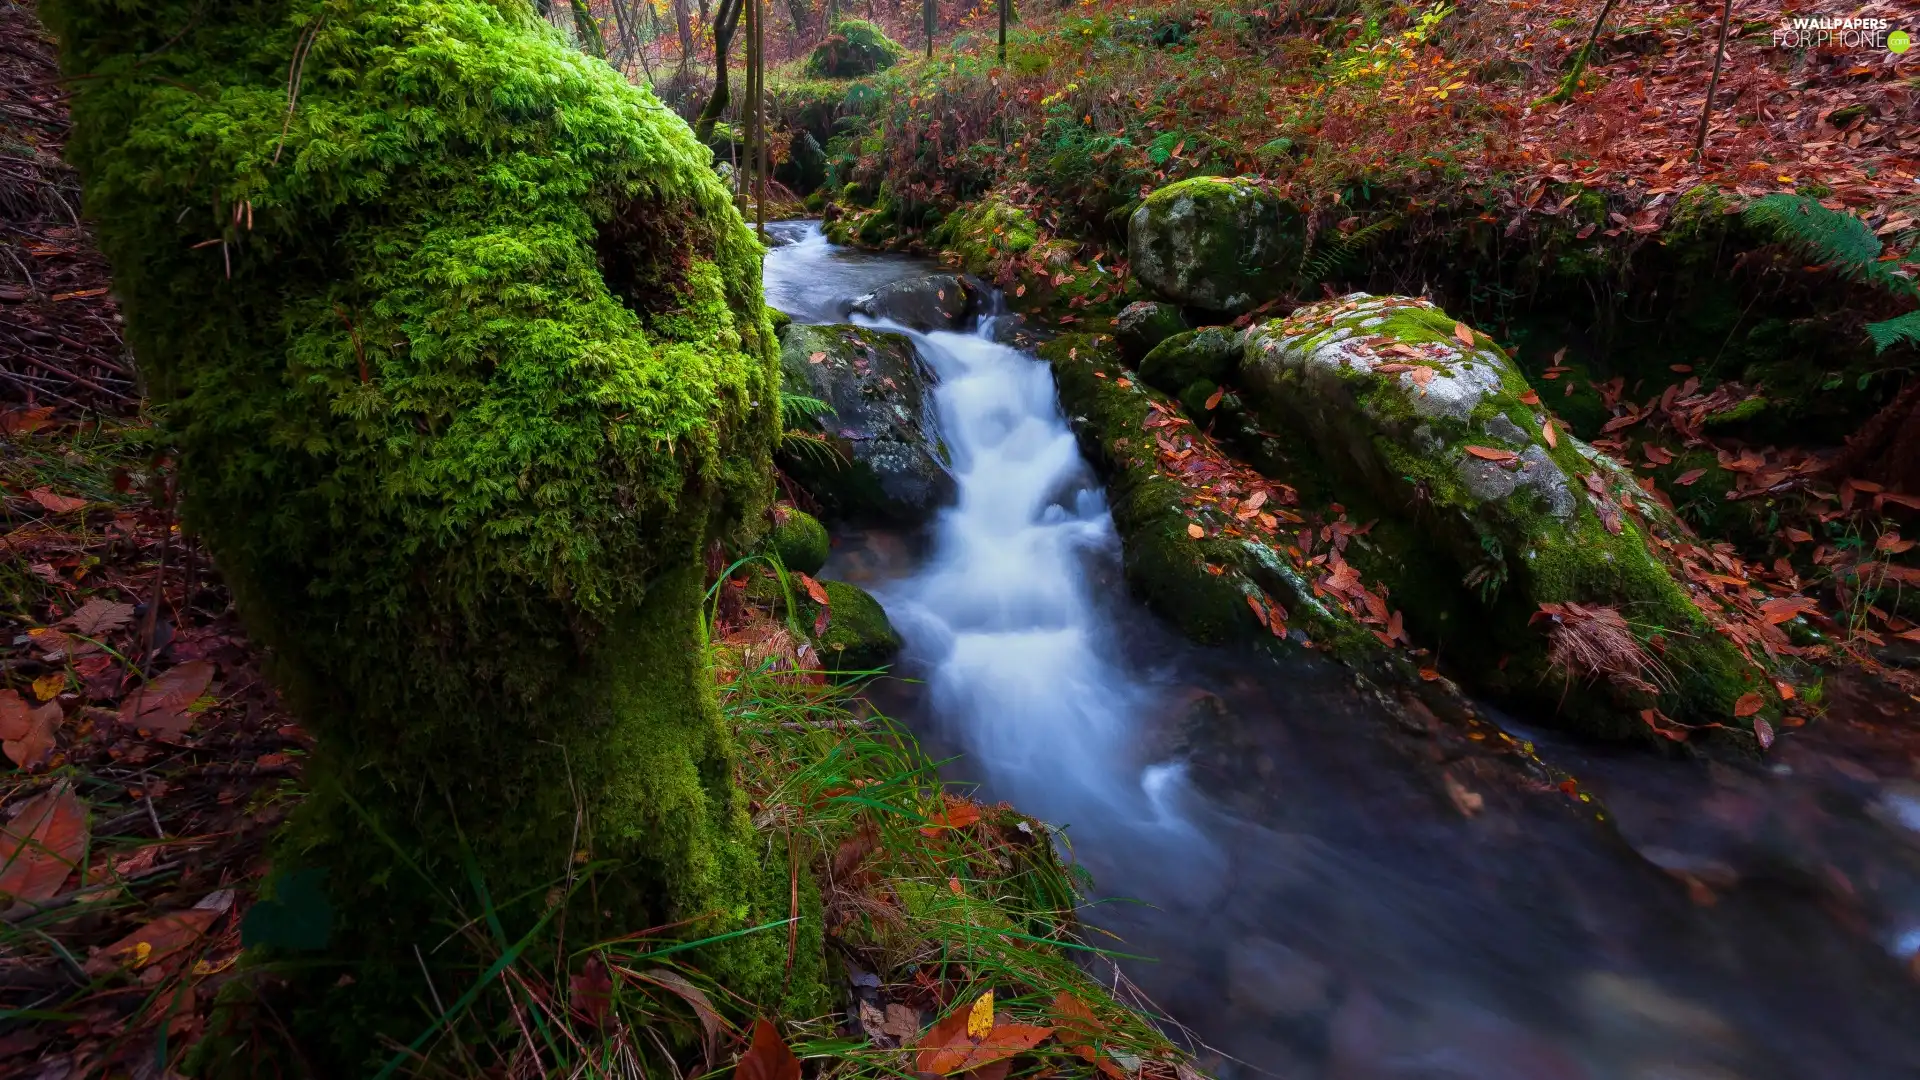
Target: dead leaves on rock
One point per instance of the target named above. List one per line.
(970, 1041)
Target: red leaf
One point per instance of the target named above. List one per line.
(42, 844)
(1080, 1030)
(1530, 397)
(1214, 399)
(1687, 478)
(1490, 454)
(1546, 429)
(1786, 609)
(592, 991)
(161, 705)
(1659, 455)
(1259, 610)
(58, 504)
(1798, 536)
(814, 589)
(27, 732)
(768, 1058)
(1748, 705)
(1763, 731)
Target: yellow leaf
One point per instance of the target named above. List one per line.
(46, 686)
(980, 1018)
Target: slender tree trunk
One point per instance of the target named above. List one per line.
(588, 30)
(1719, 55)
(929, 15)
(683, 23)
(1003, 32)
(726, 20)
(760, 116)
(1567, 85)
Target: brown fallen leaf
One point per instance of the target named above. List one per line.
(1530, 397)
(26, 734)
(161, 704)
(1659, 455)
(1196, 531)
(158, 942)
(1786, 608)
(1687, 478)
(1421, 375)
(817, 358)
(97, 617)
(1467, 802)
(1763, 731)
(1488, 453)
(1748, 705)
(57, 504)
(768, 1057)
(710, 1020)
(42, 845)
(962, 1052)
(815, 590)
(1080, 1032)
(902, 1021)
(1462, 334)
(1213, 399)
(1546, 430)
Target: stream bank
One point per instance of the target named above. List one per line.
(1355, 884)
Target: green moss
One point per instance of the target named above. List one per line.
(986, 233)
(859, 637)
(1209, 353)
(800, 541)
(476, 369)
(852, 48)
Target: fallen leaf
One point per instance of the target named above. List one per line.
(1429, 674)
(1530, 397)
(1464, 335)
(1421, 375)
(1786, 608)
(958, 814)
(902, 1021)
(48, 686)
(98, 617)
(1079, 1031)
(1798, 536)
(980, 1017)
(1196, 531)
(1214, 398)
(1488, 453)
(1659, 455)
(1763, 731)
(1687, 478)
(161, 705)
(58, 504)
(1546, 430)
(1467, 802)
(768, 1057)
(155, 943)
(42, 844)
(28, 738)
(696, 999)
(817, 358)
(1748, 705)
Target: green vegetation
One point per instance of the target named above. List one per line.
(853, 48)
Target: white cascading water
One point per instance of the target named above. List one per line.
(1021, 663)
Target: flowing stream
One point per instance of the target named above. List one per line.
(1311, 910)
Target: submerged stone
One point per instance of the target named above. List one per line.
(878, 456)
(1215, 243)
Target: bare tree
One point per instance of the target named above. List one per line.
(726, 19)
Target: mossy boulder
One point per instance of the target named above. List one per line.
(1209, 354)
(467, 364)
(986, 233)
(1399, 403)
(859, 637)
(1221, 244)
(928, 302)
(853, 48)
(1143, 324)
(799, 539)
(884, 460)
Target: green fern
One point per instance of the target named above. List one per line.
(1831, 236)
(1892, 331)
(796, 411)
(1331, 254)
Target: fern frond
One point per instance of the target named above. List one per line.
(1332, 253)
(1889, 332)
(1829, 236)
(797, 407)
(812, 446)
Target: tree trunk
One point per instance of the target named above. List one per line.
(477, 562)
(683, 24)
(725, 21)
(589, 30)
(929, 17)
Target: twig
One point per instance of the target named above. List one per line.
(1719, 55)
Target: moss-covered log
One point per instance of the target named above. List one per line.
(464, 352)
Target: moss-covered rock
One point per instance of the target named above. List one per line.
(887, 462)
(799, 539)
(985, 233)
(1217, 243)
(928, 302)
(475, 372)
(1209, 354)
(1143, 324)
(851, 49)
(859, 637)
(1397, 402)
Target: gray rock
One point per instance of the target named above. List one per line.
(1142, 325)
(933, 302)
(1215, 243)
(1184, 359)
(1507, 431)
(882, 459)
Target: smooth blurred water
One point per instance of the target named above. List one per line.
(1315, 906)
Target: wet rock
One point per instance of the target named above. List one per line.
(859, 637)
(799, 539)
(933, 302)
(1392, 396)
(1184, 359)
(878, 456)
(1143, 324)
(1215, 243)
